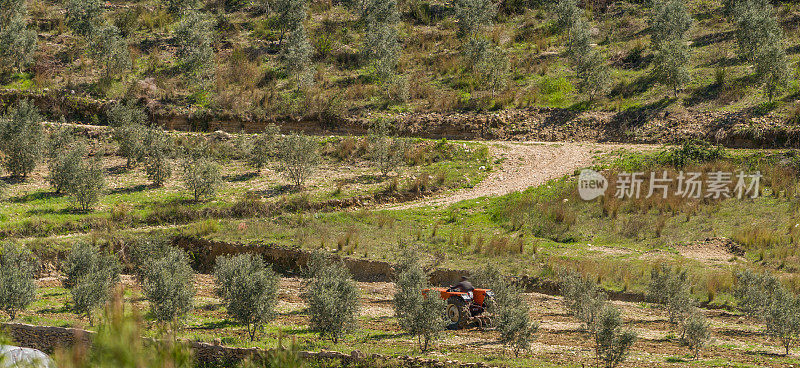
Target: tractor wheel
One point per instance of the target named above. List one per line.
(458, 311)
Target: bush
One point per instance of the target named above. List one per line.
(21, 138)
(783, 318)
(201, 176)
(90, 275)
(611, 342)
(696, 332)
(86, 184)
(179, 7)
(582, 298)
(691, 151)
(420, 315)
(299, 156)
(168, 285)
(288, 15)
(567, 13)
(17, 279)
(249, 288)
(332, 298)
(670, 288)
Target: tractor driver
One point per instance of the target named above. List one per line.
(464, 286)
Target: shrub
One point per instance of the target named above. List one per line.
(670, 288)
(772, 68)
(754, 292)
(691, 151)
(696, 332)
(332, 298)
(193, 37)
(420, 315)
(168, 285)
(611, 342)
(21, 138)
(473, 15)
(299, 156)
(90, 275)
(86, 184)
(17, 41)
(297, 57)
(83, 16)
(17, 279)
(249, 288)
(201, 176)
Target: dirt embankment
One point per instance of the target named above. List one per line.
(646, 125)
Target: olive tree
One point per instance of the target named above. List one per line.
(670, 288)
(249, 289)
(288, 15)
(473, 15)
(65, 166)
(756, 28)
(128, 123)
(264, 147)
(512, 314)
(157, 164)
(783, 319)
(594, 76)
(17, 41)
(582, 297)
(754, 292)
(83, 16)
(297, 56)
(772, 69)
(670, 20)
(299, 157)
(332, 298)
(17, 279)
(90, 274)
(567, 13)
(21, 139)
(671, 64)
(111, 50)
(168, 285)
(201, 176)
(611, 341)
(193, 36)
(385, 151)
(418, 314)
(178, 7)
(579, 45)
(696, 332)
(382, 49)
(87, 184)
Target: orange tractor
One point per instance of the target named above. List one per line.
(464, 309)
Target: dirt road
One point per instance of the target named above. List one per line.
(524, 165)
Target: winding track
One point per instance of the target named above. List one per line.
(526, 164)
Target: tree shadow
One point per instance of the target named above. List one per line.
(36, 196)
(213, 325)
(117, 170)
(638, 116)
(129, 190)
(364, 179)
(55, 310)
(274, 191)
(240, 177)
(641, 85)
(712, 38)
(793, 50)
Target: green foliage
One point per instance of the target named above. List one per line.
(512, 314)
(582, 298)
(179, 7)
(127, 121)
(17, 41)
(420, 315)
(669, 22)
(671, 64)
(249, 288)
(297, 56)
(299, 157)
(473, 15)
(670, 288)
(580, 41)
(567, 13)
(90, 275)
(611, 342)
(289, 14)
(772, 68)
(332, 298)
(783, 318)
(696, 332)
(193, 37)
(201, 176)
(382, 49)
(756, 28)
(264, 147)
(84, 16)
(157, 146)
(21, 139)
(111, 50)
(168, 285)
(386, 152)
(64, 164)
(17, 279)
(86, 184)
(691, 151)
(594, 76)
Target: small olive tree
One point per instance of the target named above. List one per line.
(21, 139)
(582, 297)
(65, 166)
(772, 68)
(265, 146)
(385, 151)
(594, 76)
(299, 157)
(670, 288)
(249, 289)
(90, 273)
(420, 315)
(83, 16)
(382, 49)
(473, 15)
(193, 36)
(17, 41)
(611, 342)
(332, 298)
(157, 164)
(17, 279)
(87, 184)
(201, 176)
(297, 57)
(567, 13)
(111, 50)
(512, 314)
(671, 64)
(696, 332)
(670, 20)
(168, 285)
(288, 15)
(783, 319)
(128, 123)
(755, 292)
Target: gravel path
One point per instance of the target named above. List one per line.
(525, 165)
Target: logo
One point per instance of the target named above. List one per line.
(591, 184)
